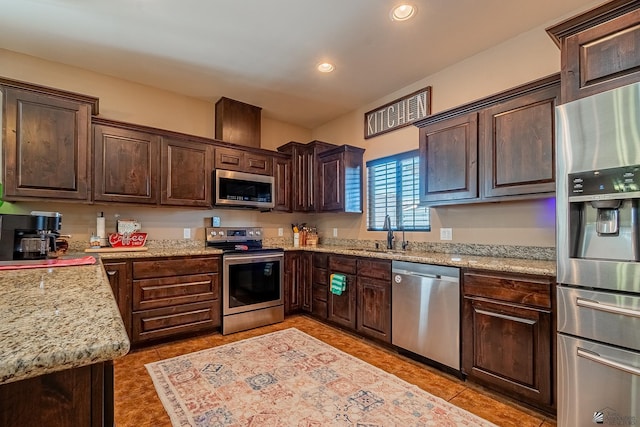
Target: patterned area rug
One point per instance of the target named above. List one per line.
(288, 378)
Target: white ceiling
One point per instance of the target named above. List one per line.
(264, 52)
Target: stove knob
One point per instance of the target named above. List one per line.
(257, 232)
(250, 232)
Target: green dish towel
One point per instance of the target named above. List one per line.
(338, 283)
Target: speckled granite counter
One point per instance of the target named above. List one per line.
(52, 319)
(513, 265)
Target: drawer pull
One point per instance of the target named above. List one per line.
(111, 273)
(608, 308)
(595, 357)
(505, 316)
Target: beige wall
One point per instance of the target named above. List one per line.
(524, 58)
(529, 56)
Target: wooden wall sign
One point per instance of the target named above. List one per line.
(397, 114)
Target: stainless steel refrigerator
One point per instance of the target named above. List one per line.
(598, 253)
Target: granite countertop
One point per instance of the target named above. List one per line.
(510, 265)
(52, 319)
(513, 265)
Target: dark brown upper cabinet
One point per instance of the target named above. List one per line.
(519, 145)
(600, 49)
(241, 160)
(238, 123)
(500, 147)
(339, 186)
(325, 177)
(126, 164)
(185, 172)
(449, 159)
(282, 176)
(46, 142)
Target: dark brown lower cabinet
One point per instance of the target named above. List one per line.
(297, 280)
(160, 298)
(70, 398)
(342, 308)
(320, 285)
(507, 334)
(374, 299)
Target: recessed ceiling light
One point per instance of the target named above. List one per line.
(403, 12)
(326, 67)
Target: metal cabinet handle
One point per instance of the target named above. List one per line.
(595, 357)
(111, 273)
(608, 308)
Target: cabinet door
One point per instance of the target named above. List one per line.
(117, 273)
(292, 267)
(448, 159)
(306, 270)
(126, 164)
(519, 145)
(342, 308)
(229, 159)
(374, 308)
(508, 347)
(186, 169)
(303, 180)
(258, 163)
(282, 177)
(46, 147)
(331, 183)
(601, 58)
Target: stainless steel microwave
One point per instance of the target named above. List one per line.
(242, 190)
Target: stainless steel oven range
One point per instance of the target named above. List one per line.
(252, 278)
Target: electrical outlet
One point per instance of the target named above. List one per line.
(335, 232)
(186, 233)
(446, 234)
(280, 232)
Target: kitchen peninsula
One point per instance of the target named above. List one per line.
(60, 329)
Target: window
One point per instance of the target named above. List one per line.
(393, 189)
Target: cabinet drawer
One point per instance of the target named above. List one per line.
(320, 277)
(319, 292)
(166, 322)
(258, 163)
(342, 264)
(520, 289)
(168, 291)
(174, 267)
(320, 260)
(375, 269)
(319, 309)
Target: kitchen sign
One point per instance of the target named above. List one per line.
(399, 113)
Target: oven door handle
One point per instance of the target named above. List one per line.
(595, 357)
(253, 257)
(608, 308)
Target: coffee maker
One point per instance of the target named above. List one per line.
(29, 237)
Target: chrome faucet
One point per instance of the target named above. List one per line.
(387, 228)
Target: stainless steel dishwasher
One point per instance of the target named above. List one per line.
(425, 311)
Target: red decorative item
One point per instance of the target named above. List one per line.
(136, 239)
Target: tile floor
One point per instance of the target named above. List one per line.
(138, 405)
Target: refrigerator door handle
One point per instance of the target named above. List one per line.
(595, 357)
(614, 309)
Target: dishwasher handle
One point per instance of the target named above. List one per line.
(426, 275)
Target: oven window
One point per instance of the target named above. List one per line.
(253, 283)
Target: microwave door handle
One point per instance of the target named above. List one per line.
(608, 308)
(595, 357)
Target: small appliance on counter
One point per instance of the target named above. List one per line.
(29, 237)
